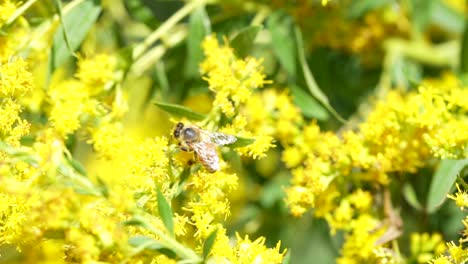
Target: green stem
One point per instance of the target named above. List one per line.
(186, 253)
(260, 16)
(19, 11)
(166, 26)
(440, 55)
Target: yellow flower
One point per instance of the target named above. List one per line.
(12, 126)
(231, 79)
(458, 5)
(96, 72)
(292, 156)
(426, 246)
(258, 148)
(458, 253)
(148, 161)
(360, 242)
(68, 99)
(385, 256)
(248, 251)
(7, 8)
(15, 79)
(361, 200)
(441, 260)
(299, 200)
(108, 140)
(209, 191)
(14, 214)
(460, 198)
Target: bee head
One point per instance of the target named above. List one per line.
(177, 130)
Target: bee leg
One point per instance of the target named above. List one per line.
(183, 148)
(195, 159)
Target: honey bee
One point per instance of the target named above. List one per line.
(202, 142)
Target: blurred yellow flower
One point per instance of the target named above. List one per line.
(7, 8)
(96, 72)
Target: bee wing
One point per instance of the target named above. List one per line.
(206, 152)
(219, 138)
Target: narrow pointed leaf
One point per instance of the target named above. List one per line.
(148, 243)
(199, 27)
(308, 104)
(360, 8)
(136, 221)
(180, 111)
(77, 166)
(242, 43)
(410, 196)
(447, 18)
(443, 180)
(464, 51)
(165, 212)
(209, 242)
(281, 41)
(77, 22)
(309, 78)
(242, 142)
(287, 258)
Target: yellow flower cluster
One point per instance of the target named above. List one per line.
(425, 246)
(454, 253)
(75, 101)
(15, 82)
(401, 134)
(232, 79)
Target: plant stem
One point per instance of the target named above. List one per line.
(20, 11)
(173, 244)
(166, 26)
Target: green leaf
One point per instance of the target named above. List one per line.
(77, 22)
(209, 242)
(12, 150)
(141, 12)
(233, 158)
(148, 243)
(287, 258)
(359, 8)
(242, 43)
(77, 166)
(180, 111)
(165, 212)
(102, 186)
(137, 221)
(422, 18)
(199, 27)
(410, 196)
(161, 77)
(308, 104)
(442, 182)
(309, 78)
(464, 51)
(283, 45)
(242, 142)
(58, 5)
(446, 18)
